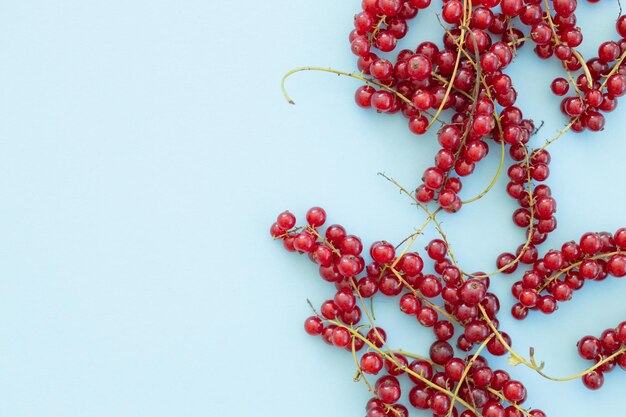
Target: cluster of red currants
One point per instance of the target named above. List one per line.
(466, 76)
(430, 78)
(602, 83)
(556, 276)
(541, 220)
(443, 300)
(463, 82)
(612, 342)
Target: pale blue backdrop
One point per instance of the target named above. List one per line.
(145, 149)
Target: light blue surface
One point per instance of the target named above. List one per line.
(145, 150)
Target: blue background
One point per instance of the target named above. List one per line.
(145, 148)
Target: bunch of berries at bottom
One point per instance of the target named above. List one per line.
(444, 301)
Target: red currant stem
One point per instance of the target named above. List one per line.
(557, 42)
(572, 82)
(613, 70)
(555, 36)
(413, 237)
(372, 308)
(502, 151)
(586, 371)
(390, 408)
(402, 189)
(465, 372)
(519, 40)
(367, 314)
(360, 376)
(493, 180)
(338, 72)
(445, 83)
(509, 27)
(503, 398)
(515, 358)
(414, 356)
(443, 235)
(351, 75)
(561, 133)
(314, 310)
(576, 264)
(526, 244)
(472, 113)
(456, 65)
(424, 299)
(359, 373)
(580, 59)
(479, 76)
(326, 242)
(382, 20)
(467, 379)
(289, 232)
(391, 358)
(373, 327)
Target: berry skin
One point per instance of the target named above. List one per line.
(388, 389)
(341, 337)
(276, 231)
(371, 363)
(420, 398)
(426, 316)
(351, 245)
(430, 286)
(304, 242)
(621, 332)
(589, 347)
(349, 265)
(409, 304)
(439, 403)
(610, 341)
(616, 266)
(593, 380)
(382, 101)
(316, 216)
(437, 249)
(559, 86)
(514, 391)
(444, 330)
(382, 252)
(286, 220)
(335, 234)
(499, 379)
(411, 263)
(590, 243)
(313, 326)
(472, 292)
(454, 369)
(419, 67)
(345, 300)
(493, 409)
(433, 178)
(441, 352)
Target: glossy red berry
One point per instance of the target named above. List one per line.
(388, 389)
(313, 326)
(514, 391)
(371, 363)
